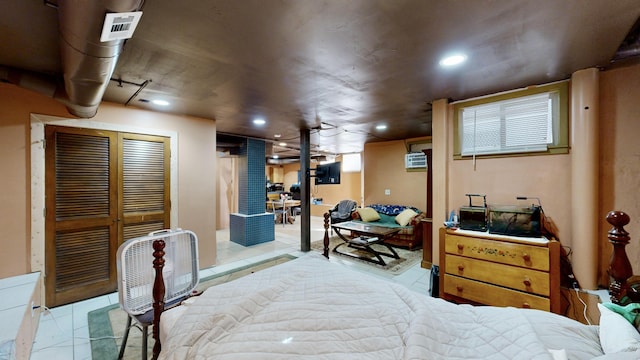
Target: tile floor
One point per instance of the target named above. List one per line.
(64, 333)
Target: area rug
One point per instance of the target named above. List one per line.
(407, 259)
(107, 325)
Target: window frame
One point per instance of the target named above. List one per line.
(561, 145)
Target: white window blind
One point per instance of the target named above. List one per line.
(351, 162)
(524, 124)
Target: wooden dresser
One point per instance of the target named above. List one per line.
(482, 268)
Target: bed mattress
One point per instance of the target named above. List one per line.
(312, 308)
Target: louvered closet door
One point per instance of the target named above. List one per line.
(81, 213)
(144, 185)
(102, 188)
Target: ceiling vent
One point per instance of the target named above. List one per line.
(119, 26)
(415, 160)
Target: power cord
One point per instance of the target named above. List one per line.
(584, 312)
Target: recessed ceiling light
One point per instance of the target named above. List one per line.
(453, 60)
(259, 121)
(275, 156)
(381, 127)
(277, 136)
(282, 144)
(160, 102)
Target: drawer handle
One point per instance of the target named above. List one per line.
(460, 247)
(527, 282)
(526, 257)
(459, 288)
(526, 305)
(460, 268)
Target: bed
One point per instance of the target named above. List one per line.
(312, 308)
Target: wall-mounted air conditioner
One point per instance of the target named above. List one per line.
(415, 160)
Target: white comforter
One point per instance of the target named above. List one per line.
(311, 308)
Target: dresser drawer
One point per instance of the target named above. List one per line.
(488, 294)
(522, 279)
(528, 256)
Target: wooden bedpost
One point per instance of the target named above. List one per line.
(158, 293)
(619, 266)
(325, 242)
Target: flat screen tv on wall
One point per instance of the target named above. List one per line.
(328, 173)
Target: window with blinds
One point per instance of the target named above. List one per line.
(523, 124)
(529, 121)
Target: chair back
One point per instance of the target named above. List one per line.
(136, 273)
(345, 207)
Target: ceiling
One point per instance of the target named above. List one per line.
(336, 67)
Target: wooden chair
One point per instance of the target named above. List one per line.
(279, 209)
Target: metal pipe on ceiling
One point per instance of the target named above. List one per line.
(87, 62)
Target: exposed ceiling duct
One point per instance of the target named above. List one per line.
(30, 80)
(230, 145)
(630, 46)
(88, 62)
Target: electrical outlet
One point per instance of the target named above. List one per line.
(574, 282)
(33, 308)
(387, 191)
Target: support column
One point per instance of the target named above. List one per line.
(440, 145)
(584, 176)
(251, 225)
(305, 190)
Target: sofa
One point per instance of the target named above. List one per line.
(393, 216)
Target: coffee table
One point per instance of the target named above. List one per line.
(367, 235)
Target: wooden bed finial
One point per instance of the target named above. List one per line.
(325, 241)
(158, 293)
(619, 266)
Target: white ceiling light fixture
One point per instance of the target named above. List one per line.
(453, 60)
(283, 144)
(381, 127)
(259, 122)
(160, 102)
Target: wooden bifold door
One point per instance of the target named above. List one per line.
(101, 189)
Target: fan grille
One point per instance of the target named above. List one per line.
(136, 273)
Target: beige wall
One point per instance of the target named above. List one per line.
(384, 168)
(196, 171)
(349, 187)
(290, 172)
(547, 177)
(620, 158)
(275, 174)
(15, 185)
